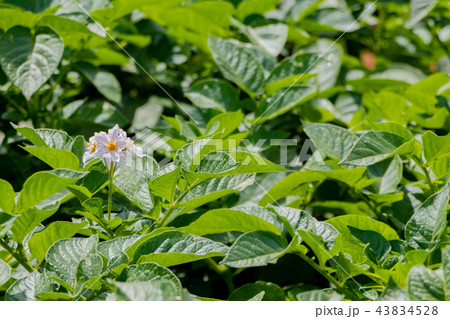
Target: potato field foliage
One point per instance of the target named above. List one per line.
(292, 150)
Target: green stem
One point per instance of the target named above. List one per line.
(110, 188)
(419, 163)
(172, 207)
(349, 294)
(223, 271)
(25, 263)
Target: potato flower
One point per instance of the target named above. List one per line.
(113, 149)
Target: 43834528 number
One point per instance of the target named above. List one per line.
(407, 311)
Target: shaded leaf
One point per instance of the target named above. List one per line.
(272, 292)
(170, 248)
(254, 249)
(423, 229)
(159, 290)
(237, 65)
(30, 287)
(41, 241)
(30, 61)
(44, 184)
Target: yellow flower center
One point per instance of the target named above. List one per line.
(93, 147)
(112, 146)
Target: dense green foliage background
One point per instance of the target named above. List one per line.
(367, 82)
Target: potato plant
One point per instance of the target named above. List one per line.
(224, 150)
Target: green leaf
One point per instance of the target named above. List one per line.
(332, 54)
(430, 219)
(78, 148)
(290, 185)
(353, 246)
(246, 8)
(282, 101)
(294, 219)
(148, 273)
(271, 291)
(338, 146)
(242, 219)
(419, 10)
(88, 271)
(216, 163)
(55, 139)
(424, 284)
(212, 165)
(5, 272)
(41, 241)
(437, 153)
(74, 33)
(134, 185)
(224, 124)
(257, 297)
(435, 146)
(94, 211)
(42, 185)
(104, 81)
(386, 105)
(214, 94)
(29, 287)
(238, 162)
(56, 158)
(189, 155)
(46, 137)
(393, 292)
(312, 295)
(6, 221)
(322, 241)
(255, 249)
(446, 270)
(31, 218)
(373, 147)
(193, 22)
(115, 247)
(170, 248)
(214, 189)
(346, 268)
(270, 37)
(401, 270)
(377, 248)
(31, 134)
(392, 127)
(13, 16)
(293, 70)
(67, 256)
(237, 65)
(389, 172)
(393, 76)
(30, 61)
(432, 84)
(7, 197)
(165, 180)
(159, 290)
(301, 9)
(339, 19)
